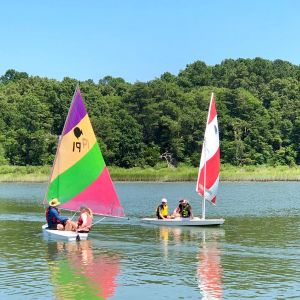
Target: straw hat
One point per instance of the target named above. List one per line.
(54, 202)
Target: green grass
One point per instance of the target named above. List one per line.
(154, 174)
(24, 173)
(260, 173)
(160, 173)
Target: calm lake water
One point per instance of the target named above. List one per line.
(254, 255)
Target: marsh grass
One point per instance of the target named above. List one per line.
(24, 173)
(153, 174)
(161, 173)
(260, 173)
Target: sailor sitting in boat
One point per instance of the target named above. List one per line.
(55, 220)
(162, 209)
(85, 219)
(183, 210)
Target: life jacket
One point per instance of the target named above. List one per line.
(88, 222)
(163, 209)
(185, 211)
(53, 220)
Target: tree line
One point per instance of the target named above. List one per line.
(145, 123)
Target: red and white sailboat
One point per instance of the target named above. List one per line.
(208, 176)
(209, 169)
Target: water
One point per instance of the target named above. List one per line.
(254, 255)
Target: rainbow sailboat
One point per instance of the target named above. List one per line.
(79, 175)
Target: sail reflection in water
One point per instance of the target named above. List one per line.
(76, 273)
(210, 271)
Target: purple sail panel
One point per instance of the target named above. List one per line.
(76, 113)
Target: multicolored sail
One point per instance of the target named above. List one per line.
(209, 169)
(79, 175)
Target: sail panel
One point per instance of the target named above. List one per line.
(99, 197)
(76, 113)
(75, 179)
(212, 111)
(74, 147)
(210, 157)
(212, 170)
(82, 178)
(212, 145)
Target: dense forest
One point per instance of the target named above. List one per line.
(143, 123)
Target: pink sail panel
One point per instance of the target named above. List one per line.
(99, 197)
(209, 170)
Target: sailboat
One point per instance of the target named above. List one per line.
(208, 175)
(79, 174)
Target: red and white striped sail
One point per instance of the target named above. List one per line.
(209, 169)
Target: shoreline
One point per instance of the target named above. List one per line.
(40, 174)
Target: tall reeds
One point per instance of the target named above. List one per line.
(162, 174)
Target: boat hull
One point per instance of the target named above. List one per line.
(184, 222)
(65, 235)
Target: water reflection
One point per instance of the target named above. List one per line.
(209, 268)
(77, 273)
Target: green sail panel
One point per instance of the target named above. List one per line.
(77, 178)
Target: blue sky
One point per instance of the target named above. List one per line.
(140, 40)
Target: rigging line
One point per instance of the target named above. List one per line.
(98, 221)
(74, 215)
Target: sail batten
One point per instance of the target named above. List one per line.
(209, 169)
(80, 176)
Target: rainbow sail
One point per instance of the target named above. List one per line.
(79, 175)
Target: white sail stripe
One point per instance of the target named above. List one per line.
(211, 141)
(212, 192)
(202, 160)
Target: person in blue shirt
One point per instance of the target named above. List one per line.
(55, 220)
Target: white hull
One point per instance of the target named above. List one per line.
(65, 235)
(184, 222)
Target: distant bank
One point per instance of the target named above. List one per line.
(184, 173)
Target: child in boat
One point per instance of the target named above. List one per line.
(162, 209)
(85, 219)
(183, 210)
(176, 212)
(55, 220)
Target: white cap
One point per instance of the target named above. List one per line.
(164, 200)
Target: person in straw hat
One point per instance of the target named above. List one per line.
(55, 220)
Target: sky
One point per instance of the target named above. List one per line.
(139, 40)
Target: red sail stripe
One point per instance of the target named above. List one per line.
(214, 200)
(213, 169)
(212, 110)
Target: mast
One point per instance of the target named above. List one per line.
(204, 181)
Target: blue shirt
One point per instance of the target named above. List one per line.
(54, 215)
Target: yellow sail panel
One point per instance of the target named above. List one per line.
(73, 146)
